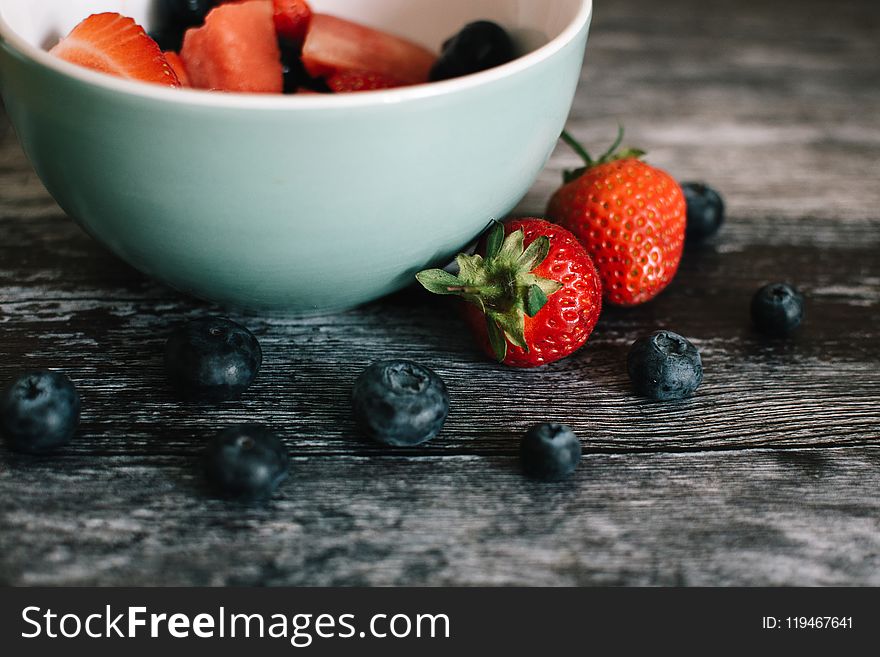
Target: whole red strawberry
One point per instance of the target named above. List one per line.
(631, 218)
(534, 297)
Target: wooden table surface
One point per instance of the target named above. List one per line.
(770, 475)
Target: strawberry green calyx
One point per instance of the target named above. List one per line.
(610, 155)
(501, 283)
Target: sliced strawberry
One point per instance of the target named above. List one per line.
(345, 81)
(235, 50)
(179, 67)
(292, 19)
(335, 44)
(115, 44)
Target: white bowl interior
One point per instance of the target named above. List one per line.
(533, 22)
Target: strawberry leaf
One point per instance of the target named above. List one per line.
(607, 154)
(611, 155)
(628, 153)
(471, 269)
(494, 239)
(496, 339)
(572, 174)
(535, 300)
(514, 327)
(547, 285)
(439, 281)
(535, 254)
(577, 148)
(512, 248)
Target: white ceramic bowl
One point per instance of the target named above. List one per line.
(295, 202)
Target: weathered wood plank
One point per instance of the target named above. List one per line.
(760, 517)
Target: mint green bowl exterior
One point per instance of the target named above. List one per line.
(294, 207)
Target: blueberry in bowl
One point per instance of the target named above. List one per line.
(185, 13)
(175, 17)
(39, 412)
(478, 46)
(664, 366)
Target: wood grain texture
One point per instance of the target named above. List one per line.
(775, 102)
(768, 475)
(757, 517)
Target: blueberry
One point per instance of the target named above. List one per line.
(705, 210)
(478, 46)
(295, 75)
(664, 365)
(212, 359)
(777, 309)
(550, 452)
(168, 38)
(292, 67)
(400, 403)
(246, 462)
(185, 13)
(39, 412)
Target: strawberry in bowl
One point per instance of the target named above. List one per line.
(237, 47)
(274, 46)
(115, 44)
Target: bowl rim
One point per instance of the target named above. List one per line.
(228, 100)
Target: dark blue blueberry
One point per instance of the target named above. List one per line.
(180, 14)
(39, 412)
(705, 210)
(478, 46)
(246, 462)
(295, 74)
(168, 38)
(777, 309)
(292, 67)
(664, 365)
(550, 452)
(212, 359)
(400, 403)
